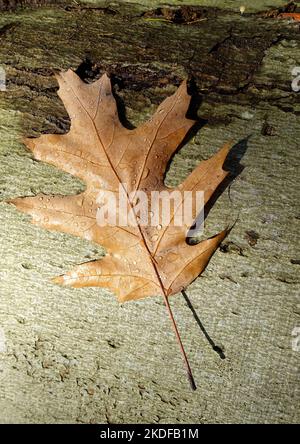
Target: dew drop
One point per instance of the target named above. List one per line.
(41, 198)
(161, 111)
(88, 235)
(159, 227)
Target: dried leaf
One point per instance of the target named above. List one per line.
(141, 261)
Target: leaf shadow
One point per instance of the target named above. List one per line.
(232, 162)
(121, 107)
(234, 167)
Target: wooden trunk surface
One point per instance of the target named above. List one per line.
(71, 355)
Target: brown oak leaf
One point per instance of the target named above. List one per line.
(140, 260)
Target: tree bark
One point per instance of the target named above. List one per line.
(77, 355)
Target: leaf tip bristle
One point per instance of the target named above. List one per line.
(58, 279)
(106, 82)
(13, 202)
(28, 142)
(183, 87)
(58, 75)
(228, 145)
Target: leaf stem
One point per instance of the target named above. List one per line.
(186, 361)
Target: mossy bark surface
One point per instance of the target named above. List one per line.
(70, 355)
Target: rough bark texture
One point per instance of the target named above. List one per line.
(77, 355)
